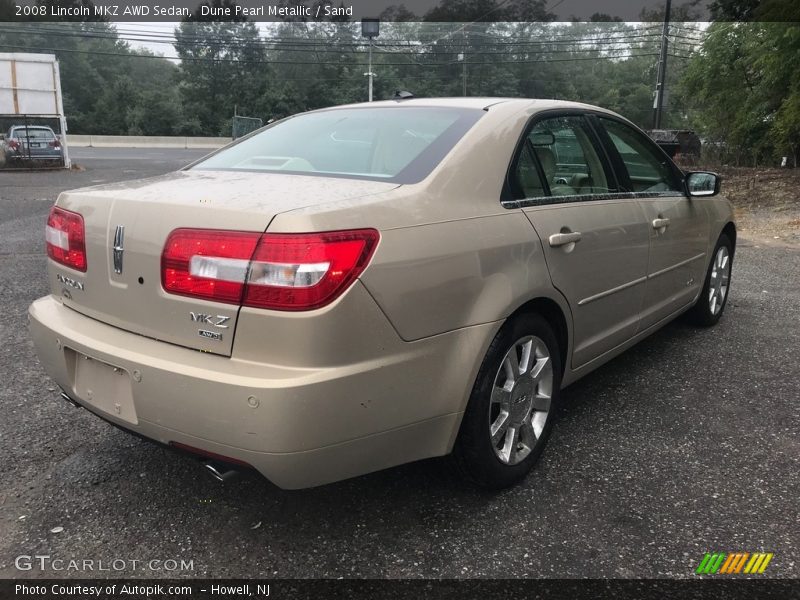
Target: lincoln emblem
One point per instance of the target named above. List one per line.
(118, 249)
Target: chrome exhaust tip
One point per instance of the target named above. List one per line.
(66, 397)
(220, 472)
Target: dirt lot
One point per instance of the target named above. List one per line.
(767, 203)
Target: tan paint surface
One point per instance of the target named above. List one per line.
(382, 375)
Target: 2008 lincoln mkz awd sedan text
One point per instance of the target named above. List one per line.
(362, 286)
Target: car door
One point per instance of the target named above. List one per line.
(595, 242)
(678, 224)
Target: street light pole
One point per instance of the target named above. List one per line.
(370, 70)
(370, 29)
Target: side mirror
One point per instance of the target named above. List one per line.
(702, 183)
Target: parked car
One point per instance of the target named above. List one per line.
(33, 142)
(358, 287)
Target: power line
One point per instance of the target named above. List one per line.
(475, 48)
(305, 42)
(551, 38)
(274, 62)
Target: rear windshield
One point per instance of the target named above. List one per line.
(33, 133)
(401, 145)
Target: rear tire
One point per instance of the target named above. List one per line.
(710, 305)
(509, 415)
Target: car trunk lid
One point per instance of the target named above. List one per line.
(132, 220)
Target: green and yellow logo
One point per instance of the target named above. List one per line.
(734, 563)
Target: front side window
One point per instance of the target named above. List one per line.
(648, 168)
(401, 144)
(568, 163)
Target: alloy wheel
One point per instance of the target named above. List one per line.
(520, 402)
(720, 278)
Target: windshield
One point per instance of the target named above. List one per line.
(395, 144)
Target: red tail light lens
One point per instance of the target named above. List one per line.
(204, 263)
(66, 238)
(305, 271)
(13, 144)
(55, 144)
(274, 270)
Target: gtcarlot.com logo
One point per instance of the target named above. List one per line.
(45, 562)
(734, 563)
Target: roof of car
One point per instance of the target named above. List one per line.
(476, 102)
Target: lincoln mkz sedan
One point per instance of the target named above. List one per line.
(363, 286)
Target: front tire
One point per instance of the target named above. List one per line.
(714, 296)
(510, 411)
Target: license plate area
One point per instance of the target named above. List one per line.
(103, 386)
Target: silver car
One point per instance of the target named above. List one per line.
(32, 143)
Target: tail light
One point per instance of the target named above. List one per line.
(66, 238)
(274, 270)
(208, 264)
(13, 144)
(55, 144)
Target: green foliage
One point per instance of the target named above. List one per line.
(223, 68)
(741, 90)
(98, 72)
(746, 88)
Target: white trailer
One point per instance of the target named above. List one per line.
(30, 90)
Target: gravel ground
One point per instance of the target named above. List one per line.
(686, 444)
(767, 203)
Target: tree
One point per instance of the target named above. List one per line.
(94, 63)
(397, 13)
(223, 67)
(747, 89)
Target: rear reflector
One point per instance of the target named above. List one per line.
(66, 238)
(274, 270)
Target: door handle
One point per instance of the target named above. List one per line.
(562, 239)
(660, 223)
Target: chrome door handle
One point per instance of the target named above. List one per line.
(660, 223)
(562, 239)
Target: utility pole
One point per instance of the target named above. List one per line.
(658, 105)
(464, 55)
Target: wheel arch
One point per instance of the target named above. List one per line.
(730, 231)
(556, 316)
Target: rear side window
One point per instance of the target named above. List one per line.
(648, 168)
(559, 158)
(33, 134)
(401, 145)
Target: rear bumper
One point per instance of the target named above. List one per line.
(298, 426)
(34, 155)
